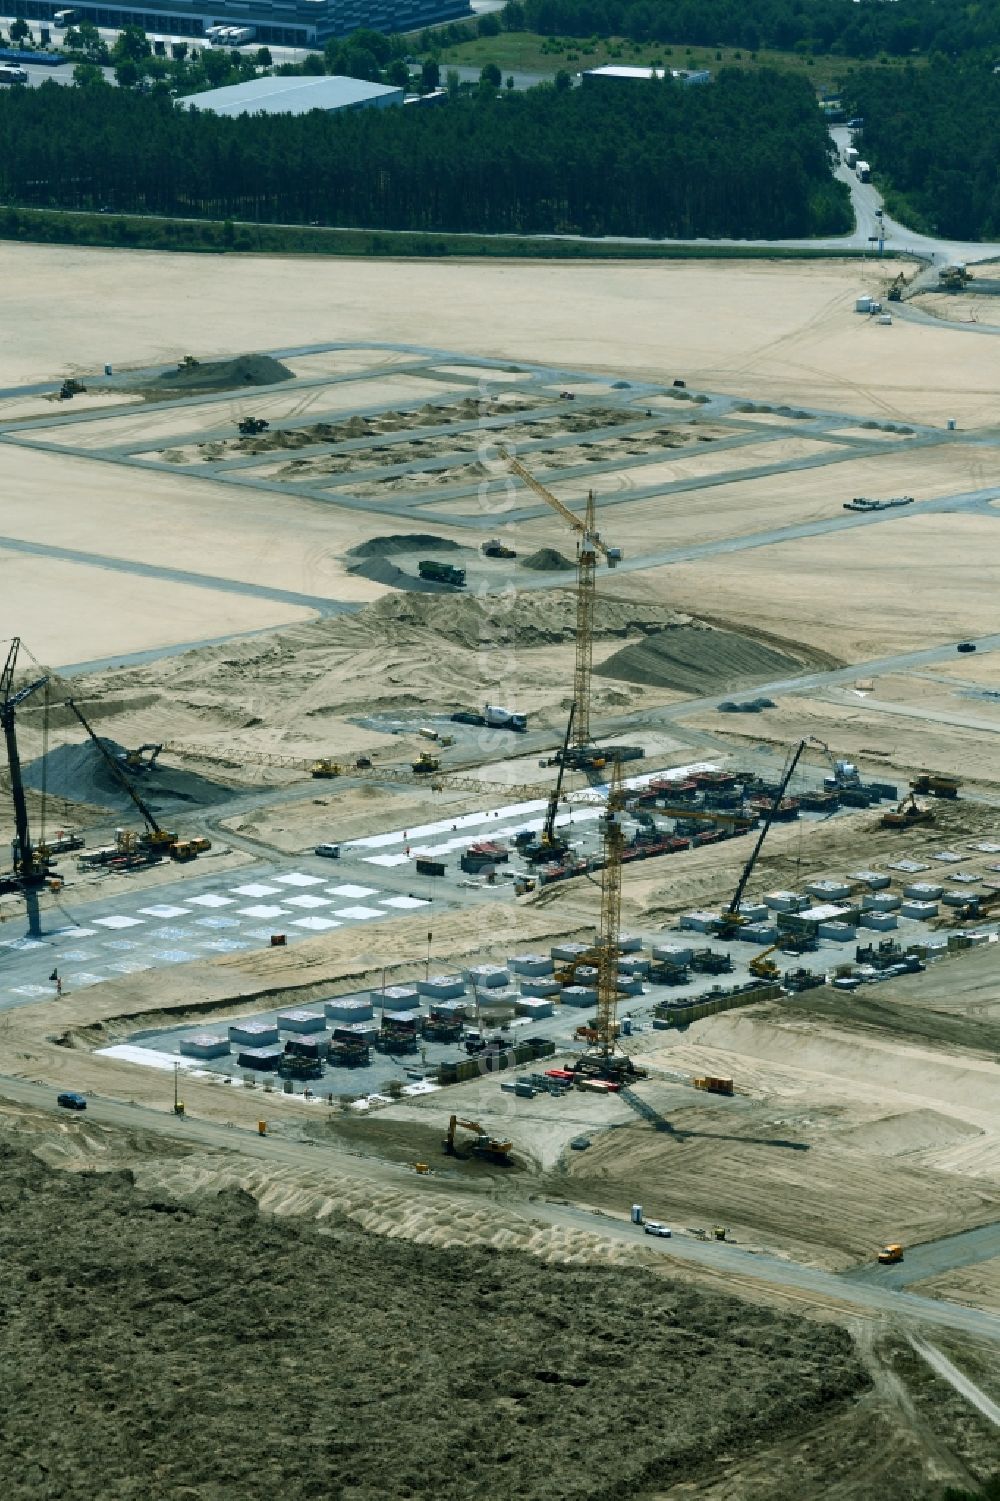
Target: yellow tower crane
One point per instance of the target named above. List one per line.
(589, 544)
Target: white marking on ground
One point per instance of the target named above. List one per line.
(316, 924)
(349, 890)
(263, 912)
(165, 911)
(296, 878)
(385, 859)
(210, 899)
(119, 922)
(403, 901)
(309, 901)
(129, 1053)
(255, 888)
(359, 913)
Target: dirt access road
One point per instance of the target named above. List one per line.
(730, 1260)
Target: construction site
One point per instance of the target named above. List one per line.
(510, 822)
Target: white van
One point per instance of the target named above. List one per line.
(11, 73)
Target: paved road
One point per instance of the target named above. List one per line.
(769, 1270)
(964, 1249)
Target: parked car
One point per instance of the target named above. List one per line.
(654, 1227)
(331, 851)
(966, 646)
(70, 1100)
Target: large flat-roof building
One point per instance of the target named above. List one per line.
(612, 72)
(287, 23)
(295, 95)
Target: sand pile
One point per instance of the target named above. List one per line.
(79, 773)
(693, 659)
(222, 375)
(386, 547)
(547, 560)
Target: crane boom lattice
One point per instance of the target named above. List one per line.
(611, 915)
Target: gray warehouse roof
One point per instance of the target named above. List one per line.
(293, 96)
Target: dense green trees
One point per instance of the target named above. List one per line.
(748, 156)
(853, 28)
(933, 135)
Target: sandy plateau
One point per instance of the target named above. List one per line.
(251, 603)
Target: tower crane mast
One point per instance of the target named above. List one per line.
(589, 545)
(29, 870)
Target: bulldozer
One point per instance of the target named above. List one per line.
(954, 278)
(252, 427)
(426, 763)
(906, 815)
(891, 1254)
(490, 1148)
(325, 769)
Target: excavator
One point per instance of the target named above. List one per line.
(135, 761)
(906, 815)
(491, 1148)
(156, 840)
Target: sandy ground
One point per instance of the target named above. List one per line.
(861, 593)
(967, 307)
(764, 330)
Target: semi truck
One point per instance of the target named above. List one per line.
(497, 718)
(864, 171)
(441, 573)
(850, 156)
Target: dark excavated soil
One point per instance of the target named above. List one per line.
(547, 560)
(223, 375)
(154, 1350)
(693, 660)
(385, 547)
(80, 774)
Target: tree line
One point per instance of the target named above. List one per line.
(850, 28)
(747, 157)
(933, 137)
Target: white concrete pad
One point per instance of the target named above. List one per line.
(165, 911)
(350, 890)
(403, 901)
(315, 924)
(358, 914)
(118, 922)
(385, 859)
(210, 899)
(148, 1056)
(263, 912)
(309, 901)
(296, 878)
(255, 888)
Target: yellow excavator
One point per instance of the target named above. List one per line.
(908, 813)
(492, 1148)
(763, 967)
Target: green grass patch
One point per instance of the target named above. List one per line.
(530, 52)
(217, 237)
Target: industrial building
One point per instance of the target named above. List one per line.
(294, 96)
(286, 23)
(612, 72)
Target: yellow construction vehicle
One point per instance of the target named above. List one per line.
(714, 1084)
(492, 1148)
(763, 967)
(426, 763)
(890, 1254)
(908, 813)
(935, 784)
(954, 278)
(896, 288)
(325, 769)
(155, 839)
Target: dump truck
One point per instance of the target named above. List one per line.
(890, 1254)
(441, 573)
(935, 784)
(714, 1084)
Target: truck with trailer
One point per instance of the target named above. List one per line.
(441, 573)
(850, 156)
(863, 171)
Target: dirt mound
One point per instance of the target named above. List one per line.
(547, 560)
(694, 659)
(114, 1284)
(80, 774)
(542, 619)
(386, 547)
(223, 375)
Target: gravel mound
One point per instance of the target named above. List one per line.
(691, 659)
(80, 774)
(224, 375)
(547, 560)
(385, 547)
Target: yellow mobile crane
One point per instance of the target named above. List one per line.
(589, 544)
